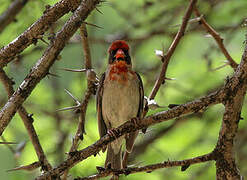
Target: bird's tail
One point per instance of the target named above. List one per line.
(114, 161)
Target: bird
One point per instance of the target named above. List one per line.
(119, 97)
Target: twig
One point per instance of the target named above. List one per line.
(39, 71)
(167, 57)
(150, 168)
(27, 120)
(81, 124)
(217, 38)
(74, 70)
(9, 15)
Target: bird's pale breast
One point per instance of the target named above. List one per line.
(120, 101)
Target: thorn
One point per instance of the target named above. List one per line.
(184, 167)
(222, 66)
(29, 167)
(194, 20)
(72, 153)
(97, 9)
(170, 106)
(8, 143)
(54, 75)
(69, 93)
(100, 169)
(90, 24)
(74, 70)
(166, 78)
(44, 41)
(69, 108)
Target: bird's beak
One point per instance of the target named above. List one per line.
(120, 54)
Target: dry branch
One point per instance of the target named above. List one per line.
(149, 168)
(236, 89)
(90, 89)
(27, 120)
(218, 39)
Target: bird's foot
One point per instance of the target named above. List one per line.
(112, 133)
(135, 121)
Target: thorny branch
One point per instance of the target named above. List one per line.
(27, 120)
(41, 69)
(89, 92)
(172, 48)
(149, 168)
(217, 38)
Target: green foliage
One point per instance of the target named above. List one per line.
(133, 20)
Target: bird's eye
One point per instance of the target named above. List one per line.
(125, 51)
(113, 52)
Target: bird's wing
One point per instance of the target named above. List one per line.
(130, 139)
(141, 93)
(101, 124)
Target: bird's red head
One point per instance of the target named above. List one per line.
(119, 51)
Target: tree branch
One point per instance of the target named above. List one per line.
(217, 38)
(40, 70)
(167, 57)
(90, 90)
(27, 120)
(225, 163)
(149, 168)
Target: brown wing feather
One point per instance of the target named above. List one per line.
(140, 110)
(130, 139)
(101, 124)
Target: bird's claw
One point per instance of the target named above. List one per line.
(112, 133)
(135, 120)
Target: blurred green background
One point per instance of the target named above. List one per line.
(147, 25)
